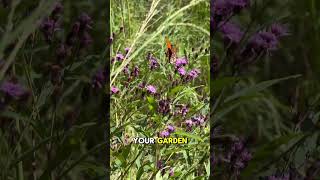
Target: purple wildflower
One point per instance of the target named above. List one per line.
(126, 70)
(164, 134)
(181, 62)
(14, 90)
(151, 89)
(198, 120)
(279, 30)
(231, 32)
(48, 28)
(193, 74)
(164, 107)
(222, 9)
(153, 63)
(127, 50)
(263, 41)
(171, 172)
(170, 128)
(119, 56)
(182, 71)
(135, 71)
(114, 90)
(189, 123)
(99, 79)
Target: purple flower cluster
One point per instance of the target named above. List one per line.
(164, 106)
(151, 89)
(99, 79)
(231, 32)
(194, 121)
(166, 133)
(51, 24)
(80, 32)
(224, 9)
(153, 62)
(114, 90)
(238, 156)
(14, 90)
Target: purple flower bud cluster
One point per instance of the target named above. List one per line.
(12, 91)
(180, 69)
(164, 106)
(224, 9)
(238, 156)
(166, 133)
(151, 89)
(99, 79)
(51, 24)
(114, 90)
(182, 110)
(194, 122)
(153, 62)
(80, 32)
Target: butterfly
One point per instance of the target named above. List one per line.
(171, 51)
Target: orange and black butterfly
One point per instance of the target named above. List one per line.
(171, 51)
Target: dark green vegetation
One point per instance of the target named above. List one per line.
(265, 91)
(51, 116)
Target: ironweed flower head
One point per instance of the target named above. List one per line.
(231, 32)
(164, 134)
(193, 74)
(126, 70)
(164, 106)
(182, 71)
(198, 120)
(119, 56)
(189, 124)
(171, 172)
(239, 156)
(170, 128)
(263, 41)
(184, 110)
(135, 71)
(151, 89)
(14, 90)
(114, 90)
(48, 28)
(181, 62)
(279, 30)
(99, 79)
(127, 50)
(153, 63)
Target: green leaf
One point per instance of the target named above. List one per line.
(258, 87)
(265, 153)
